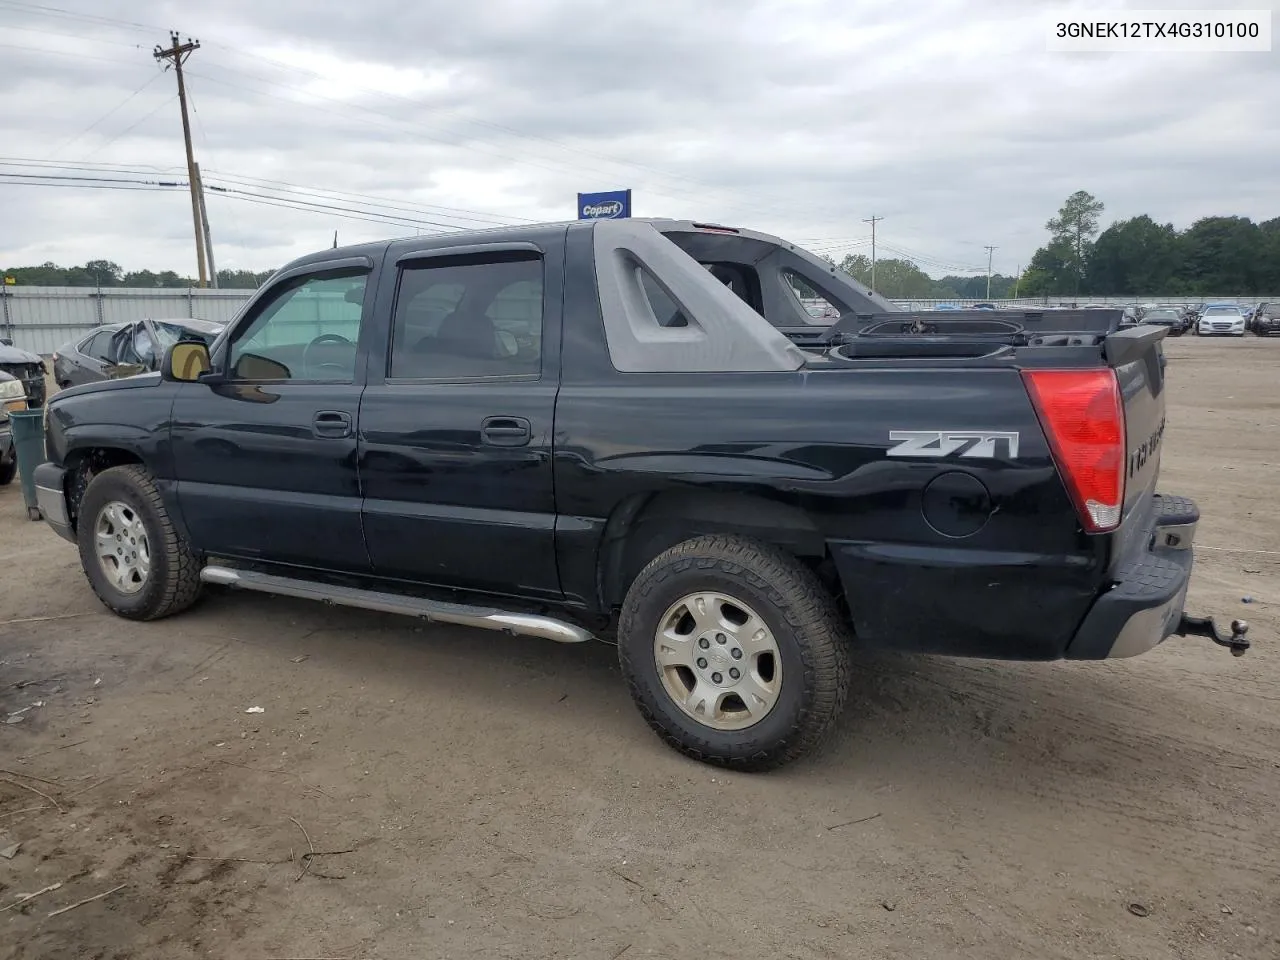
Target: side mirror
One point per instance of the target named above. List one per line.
(186, 362)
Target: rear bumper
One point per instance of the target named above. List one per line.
(50, 480)
(1145, 603)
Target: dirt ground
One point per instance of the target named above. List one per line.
(501, 798)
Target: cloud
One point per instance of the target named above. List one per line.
(949, 119)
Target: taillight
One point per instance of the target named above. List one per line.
(1083, 418)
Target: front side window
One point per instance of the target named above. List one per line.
(307, 329)
(468, 318)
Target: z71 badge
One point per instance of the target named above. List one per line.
(946, 443)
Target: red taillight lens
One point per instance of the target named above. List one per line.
(1083, 418)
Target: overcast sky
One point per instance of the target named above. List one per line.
(947, 118)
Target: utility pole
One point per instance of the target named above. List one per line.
(204, 227)
(1017, 282)
(990, 251)
(873, 220)
(177, 55)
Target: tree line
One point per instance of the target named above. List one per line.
(1225, 256)
(105, 273)
(903, 280)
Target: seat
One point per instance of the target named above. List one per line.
(467, 334)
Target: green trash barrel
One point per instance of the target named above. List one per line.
(28, 442)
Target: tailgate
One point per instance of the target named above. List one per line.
(1137, 356)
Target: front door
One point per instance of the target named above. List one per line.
(265, 456)
(456, 426)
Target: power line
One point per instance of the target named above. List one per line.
(66, 143)
(61, 177)
(90, 186)
(72, 36)
(449, 213)
(133, 126)
(42, 9)
(66, 53)
(139, 186)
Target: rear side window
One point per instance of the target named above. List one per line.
(466, 318)
(98, 346)
(665, 310)
(819, 310)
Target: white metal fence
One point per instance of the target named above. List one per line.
(42, 319)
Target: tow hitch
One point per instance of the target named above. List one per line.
(1236, 641)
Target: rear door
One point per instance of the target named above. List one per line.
(91, 359)
(456, 426)
(266, 459)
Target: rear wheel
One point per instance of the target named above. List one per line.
(734, 653)
(135, 559)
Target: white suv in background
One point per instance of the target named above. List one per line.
(1221, 319)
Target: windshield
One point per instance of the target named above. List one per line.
(1222, 312)
(1162, 314)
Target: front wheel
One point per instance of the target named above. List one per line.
(135, 559)
(734, 653)
(8, 470)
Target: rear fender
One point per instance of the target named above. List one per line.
(645, 525)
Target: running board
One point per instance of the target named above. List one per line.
(486, 618)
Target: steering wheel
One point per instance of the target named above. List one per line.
(309, 370)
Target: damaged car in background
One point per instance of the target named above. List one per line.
(13, 396)
(126, 349)
(25, 367)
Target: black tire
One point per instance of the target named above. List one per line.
(8, 470)
(812, 642)
(173, 581)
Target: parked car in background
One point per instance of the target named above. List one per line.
(13, 396)
(125, 349)
(1170, 317)
(1266, 319)
(1222, 320)
(25, 367)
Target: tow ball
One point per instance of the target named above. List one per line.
(1236, 641)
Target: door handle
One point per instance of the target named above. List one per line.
(505, 431)
(332, 424)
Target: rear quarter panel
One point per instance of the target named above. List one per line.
(1015, 587)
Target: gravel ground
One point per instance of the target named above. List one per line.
(501, 798)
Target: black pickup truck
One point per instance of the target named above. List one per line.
(634, 430)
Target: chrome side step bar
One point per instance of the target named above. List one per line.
(486, 618)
